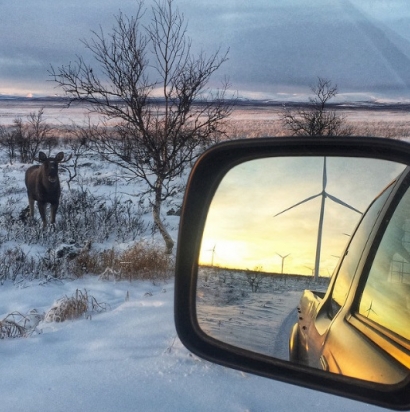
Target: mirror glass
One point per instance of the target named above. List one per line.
(276, 227)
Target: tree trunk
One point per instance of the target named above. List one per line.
(156, 212)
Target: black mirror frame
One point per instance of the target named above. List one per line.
(202, 184)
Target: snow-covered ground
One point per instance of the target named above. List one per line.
(128, 359)
(260, 320)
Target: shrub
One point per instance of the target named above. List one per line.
(16, 325)
(93, 262)
(143, 261)
(11, 329)
(73, 307)
(140, 261)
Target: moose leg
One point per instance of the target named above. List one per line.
(31, 206)
(42, 210)
(54, 207)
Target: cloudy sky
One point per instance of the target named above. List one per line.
(278, 48)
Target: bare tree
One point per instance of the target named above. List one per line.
(8, 142)
(254, 278)
(151, 138)
(317, 120)
(25, 138)
(38, 134)
(76, 139)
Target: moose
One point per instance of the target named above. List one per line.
(43, 186)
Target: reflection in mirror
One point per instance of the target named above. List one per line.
(275, 227)
(386, 298)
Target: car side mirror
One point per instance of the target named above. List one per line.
(275, 267)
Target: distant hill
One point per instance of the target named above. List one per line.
(243, 103)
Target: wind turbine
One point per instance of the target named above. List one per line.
(311, 269)
(213, 255)
(323, 194)
(283, 259)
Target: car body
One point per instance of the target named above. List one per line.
(335, 329)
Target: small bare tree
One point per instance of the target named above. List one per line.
(254, 278)
(25, 138)
(156, 91)
(317, 120)
(8, 142)
(38, 134)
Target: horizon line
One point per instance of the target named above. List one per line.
(263, 102)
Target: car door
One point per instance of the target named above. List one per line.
(316, 320)
(365, 339)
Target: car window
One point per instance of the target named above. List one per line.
(386, 295)
(354, 252)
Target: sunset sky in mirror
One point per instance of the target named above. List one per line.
(241, 231)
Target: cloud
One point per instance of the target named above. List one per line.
(275, 47)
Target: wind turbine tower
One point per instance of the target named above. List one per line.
(283, 259)
(213, 255)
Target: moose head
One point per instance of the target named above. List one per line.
(43, 185)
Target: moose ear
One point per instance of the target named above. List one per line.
(42, 157)
(59, 157)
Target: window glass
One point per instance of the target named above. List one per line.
(354, 252)
(385, 299)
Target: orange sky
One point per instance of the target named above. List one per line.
(242, 232)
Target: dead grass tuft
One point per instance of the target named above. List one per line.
(17, 325)
(11, 329)
(78, 305)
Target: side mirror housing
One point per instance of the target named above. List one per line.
(204, 251)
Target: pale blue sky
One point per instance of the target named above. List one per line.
(278, 48)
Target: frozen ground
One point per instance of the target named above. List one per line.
(128, 359)
(260, 319)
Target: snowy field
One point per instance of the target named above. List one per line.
(127, 357)
(251, 310)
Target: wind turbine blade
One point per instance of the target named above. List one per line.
(340, 202)
(297, 204)
(283, 257)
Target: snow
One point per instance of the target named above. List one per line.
(128, 358)
(260, 321)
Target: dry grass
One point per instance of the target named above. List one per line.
(249, 123)
(145, 262)
(17, 325)
(389, 129)
(93, 262)
(239, 129)
(11, 329)
(74, 307)
(140, 261)
(68, 308)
